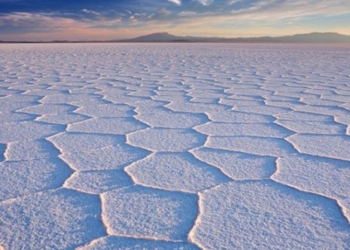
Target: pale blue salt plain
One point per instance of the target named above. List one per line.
(174, 146)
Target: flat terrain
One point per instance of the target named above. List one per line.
(174, 146)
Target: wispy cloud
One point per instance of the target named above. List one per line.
(205, 2)
(230, 2)
(187, 14)
(91, 12)
(275, 9)
(210, 17)
(177, 2)
(30, 22)
(47, 27)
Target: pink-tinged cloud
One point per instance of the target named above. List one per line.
(34, 27)
(228, 18)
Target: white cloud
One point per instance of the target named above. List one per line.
(186, 13)
(177, 2)
(230, 2)
(91, 12)
(273, 10)
(29, 22)
(205, 2)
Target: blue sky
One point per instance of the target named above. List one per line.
(113, 19)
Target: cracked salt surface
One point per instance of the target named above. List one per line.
(174, 146)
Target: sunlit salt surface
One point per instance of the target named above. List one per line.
(174, 146)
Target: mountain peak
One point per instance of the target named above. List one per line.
(159, 36)
(160, 33)
(315, 37)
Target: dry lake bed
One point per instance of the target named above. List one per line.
(174, 146)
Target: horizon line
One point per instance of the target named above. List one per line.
(228, 39)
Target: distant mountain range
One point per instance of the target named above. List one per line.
(164, 37)
(315, 37)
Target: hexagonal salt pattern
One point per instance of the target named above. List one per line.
(238, 166)
(119, 126)
(170, 119)
(175, 172)
(96, 182)
(30, 150)
(14, 132)
(166, 140)
(268, 215)
(149, 213)
(242, 129)
(58, 219)
(331, 146)
(174, 146)
(18, 178)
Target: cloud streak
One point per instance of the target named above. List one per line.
(210, 17)
(177, 2)
(29, 22)
(205, 2)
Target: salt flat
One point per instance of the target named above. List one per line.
(174, 146)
